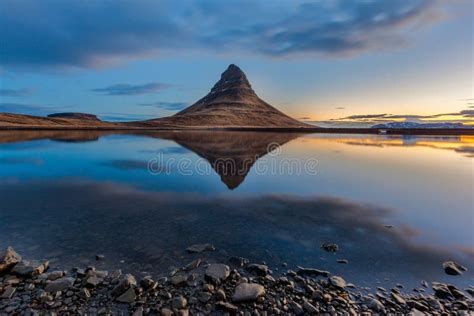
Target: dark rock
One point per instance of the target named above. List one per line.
(128, 296)
(343, 261)
(227, 307)
(30, 268)
(198, 248)
(312, 272)
(204, 297)
(453, 268)
(8, 292)
(310, 308)
(238, 261)
(337, 282)
(259, 269)
(127, 281)
(441, 290)
(99, 257)
(217, 272)
(330, 247)
(192, 265)
(59, 285)
(55, 275)
(8, 258)
(179, 302)
(220, 295)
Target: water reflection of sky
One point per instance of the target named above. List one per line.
(81, 191)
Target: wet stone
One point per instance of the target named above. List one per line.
(453, 268)
(247, 292)
(217, 272)
(198, 248)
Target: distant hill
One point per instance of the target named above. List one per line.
(230, 103)
(75, 115)
(421, 125)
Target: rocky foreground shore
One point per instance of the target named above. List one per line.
(234, 287)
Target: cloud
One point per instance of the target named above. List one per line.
(285, 228)
(21, 160)
(54, 33)
(463, 113)
(340, 108)
(171, 106)
(128, 89)
(127, 164)
(20, 108)
(15, 92)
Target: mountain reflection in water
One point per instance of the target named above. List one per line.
(68, 195)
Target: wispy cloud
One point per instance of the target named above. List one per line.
(93, 34)
(31, 109)
(129, 89)
(171, 106)
(15, 92)
(463, 113)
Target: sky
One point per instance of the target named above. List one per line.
(335, 63)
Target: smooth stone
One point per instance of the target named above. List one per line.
(198, 248)
(8, 258)
(204, 297)
(312, 272)
(30, 268)
(398, 299)
(330, 247)
(220, 295)
(259, 269)
(338, 282)
(166, 312)
(247, 292)
(310, 308)
(179, 302)
(217, 272)
(238, 261)
(179, 279)
(93, 281)
(127, 281)
(453, 268)
(374, 304)
(441, 290)
(59, 285)
(8, 292)
(128, 296)
(192, 265)
(227, 306)
(55, 275)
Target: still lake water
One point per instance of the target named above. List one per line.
(142, 198)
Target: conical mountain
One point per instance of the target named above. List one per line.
(230, 103)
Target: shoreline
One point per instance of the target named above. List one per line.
(236, 286)
(316, 130)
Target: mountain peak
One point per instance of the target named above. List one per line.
(232, 78)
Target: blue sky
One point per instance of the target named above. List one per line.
(318, 60)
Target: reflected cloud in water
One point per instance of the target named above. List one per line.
(81, 218)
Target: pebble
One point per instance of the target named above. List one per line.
(61, 284)
(217, 272)
(453, 268)
(330, 247)
(198, 248)
(247, 292)
(128, 296)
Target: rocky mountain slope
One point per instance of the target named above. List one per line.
(231, 103)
